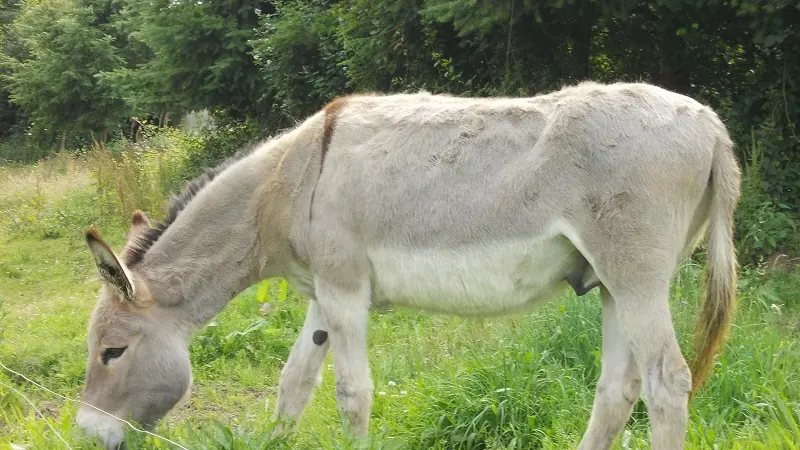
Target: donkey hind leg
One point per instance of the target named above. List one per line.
(303, 370)
(347, 314)
(619, 386)
(642, 304)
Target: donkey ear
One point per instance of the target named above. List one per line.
(139, 223)
(109, 266)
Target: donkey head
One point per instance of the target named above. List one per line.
(138, 367)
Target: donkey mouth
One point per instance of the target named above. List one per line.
(101, 427)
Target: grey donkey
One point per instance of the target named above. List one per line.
(470, 206)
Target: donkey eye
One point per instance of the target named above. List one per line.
(111, 353)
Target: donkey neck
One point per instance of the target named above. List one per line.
(236, 231)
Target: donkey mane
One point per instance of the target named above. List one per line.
(141, 244)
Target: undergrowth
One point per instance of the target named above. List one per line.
(763, 225)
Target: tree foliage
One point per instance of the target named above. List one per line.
(200, 56)
(296, 51)
(10, 114)
(56, 81)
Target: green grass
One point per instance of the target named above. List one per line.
(524, 381)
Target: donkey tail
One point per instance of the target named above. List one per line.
(718, 308)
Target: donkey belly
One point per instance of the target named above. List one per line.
(487, 279)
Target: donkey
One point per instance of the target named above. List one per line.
(470, 206)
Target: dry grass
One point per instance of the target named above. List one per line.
(48, 180)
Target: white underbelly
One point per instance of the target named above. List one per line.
(479, 280)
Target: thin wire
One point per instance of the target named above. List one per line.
(91, 406)
(33, 405)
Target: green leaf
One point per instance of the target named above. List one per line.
(283, 291)
(223, 435)
(261, 294)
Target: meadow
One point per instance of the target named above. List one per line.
(441, 382)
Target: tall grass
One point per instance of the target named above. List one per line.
(47, 198)
(129, 176)
(102, 185)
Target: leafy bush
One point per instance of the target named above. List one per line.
(17, 149)
(260, 333)
(764, 225)
(220, 142)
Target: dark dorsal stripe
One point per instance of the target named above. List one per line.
(331, 115)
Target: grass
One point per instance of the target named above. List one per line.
(442, 382)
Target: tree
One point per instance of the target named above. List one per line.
(10, 113)
(200, 56)
(298, 55)
(58, 84)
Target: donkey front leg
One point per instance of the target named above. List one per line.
(347, 312)
(302, 371)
